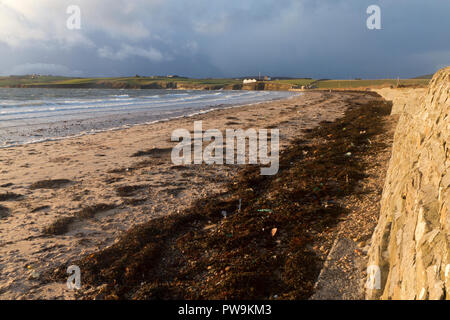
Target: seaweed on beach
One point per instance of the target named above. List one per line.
(40, 208)
(128, 191)
(134, 201)
(111, 180)
(10, 196)
(261, 247)
(6, 185)
(158, 152)
(4, 212)
(232, 123)
(59, 226)
(50, 184)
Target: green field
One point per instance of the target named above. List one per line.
(181, 82)
(127, 81)
(296, 82)
(26, 80)
(337, 84)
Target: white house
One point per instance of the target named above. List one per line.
(249, 81)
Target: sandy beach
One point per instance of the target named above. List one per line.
(66, 199)
(194, 157)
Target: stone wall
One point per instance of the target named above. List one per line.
(403, 99)
(410, 246)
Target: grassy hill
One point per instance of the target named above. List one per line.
(345, 84)
(28, 80)
(125, 82)
(205, 84)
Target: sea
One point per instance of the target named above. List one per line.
(36, 114)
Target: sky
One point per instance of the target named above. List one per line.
(224, 38)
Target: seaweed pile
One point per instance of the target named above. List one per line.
(253, 241)
(4, 212)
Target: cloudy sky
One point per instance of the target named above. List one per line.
(225, 38)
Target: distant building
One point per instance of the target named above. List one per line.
(246, 81)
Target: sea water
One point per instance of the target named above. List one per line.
(34, 115)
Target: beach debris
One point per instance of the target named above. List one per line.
(209, 227)
(328, 203)
(9, 196)
(274, 232)
(35, 275)
(265, 210)
(239, 205)
(224, 214)
(348, 154)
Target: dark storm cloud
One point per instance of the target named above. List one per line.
(219, 38)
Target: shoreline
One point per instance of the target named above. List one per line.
(203, 110)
